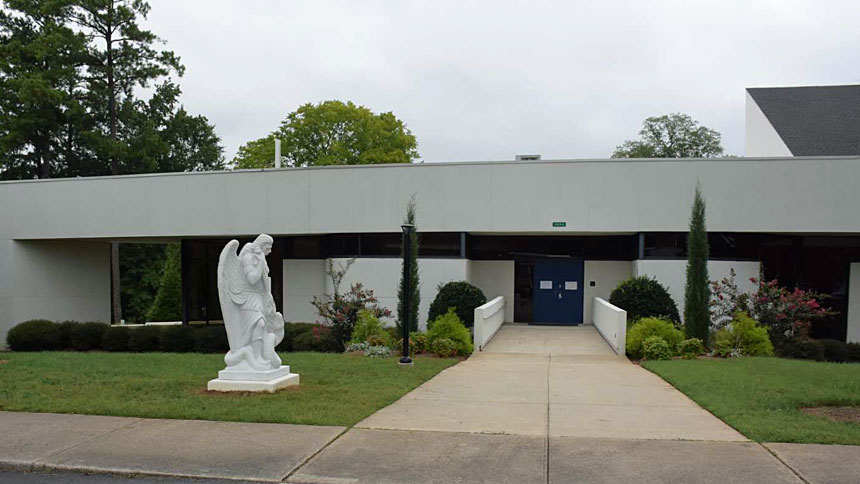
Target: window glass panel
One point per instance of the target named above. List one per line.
(344, 245)
(380, 245)
(439, 244)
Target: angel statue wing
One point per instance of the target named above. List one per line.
(231, 292)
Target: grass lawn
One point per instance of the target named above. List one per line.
(761, 397)
(335, 389)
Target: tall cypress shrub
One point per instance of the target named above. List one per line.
(415, 297)
(697, 292)
(168, 302)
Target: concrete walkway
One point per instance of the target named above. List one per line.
(191, 448)
(542, 405)
(556, 382)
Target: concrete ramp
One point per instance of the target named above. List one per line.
(549, 341)
(553, 382)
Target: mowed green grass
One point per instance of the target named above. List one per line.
(761, 397)
(335, 389)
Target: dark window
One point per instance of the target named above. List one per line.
(503, 247)
(344, 245)
(305, 247)
(381, 245)
(665, 245)
(721, 245)
(387, 244)
(438, 244)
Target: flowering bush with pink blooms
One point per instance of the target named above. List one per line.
(786, 314)
(340, 311)
(726, 301)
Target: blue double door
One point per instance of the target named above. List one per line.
(557, 294)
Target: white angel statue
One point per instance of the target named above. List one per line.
(254, 326)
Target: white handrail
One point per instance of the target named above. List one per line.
(488, 320)
(611, 323)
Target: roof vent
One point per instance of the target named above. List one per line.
(527, 158)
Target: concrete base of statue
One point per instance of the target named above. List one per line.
(253, 381)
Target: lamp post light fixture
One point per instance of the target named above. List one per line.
(407, 291)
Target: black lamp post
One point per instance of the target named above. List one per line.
(407, 290)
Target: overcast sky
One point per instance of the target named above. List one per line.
(487, 80)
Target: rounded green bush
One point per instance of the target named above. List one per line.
(460, 295)
(320, 338)
(443, 347)
(210, 339)
(691, 348)
(368, 326)
(34, 335)
(176, 339)
(449, 326)
(66, 328)
(647, 327)
(419, 342)
(745, 336)
(86, 336)
(291, 332)
(656, 348)
(145, 339)
(115, 338)
(644, 297)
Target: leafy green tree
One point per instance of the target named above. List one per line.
(697, 291)
(122, 58)
(39, 58)
(168, 302)
(192, 144)
(675, 135)
(141, 266)
(415, 290)
(333, 133)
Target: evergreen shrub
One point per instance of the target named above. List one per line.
(647, 327)
(644, 297)
(34, 335)
(461, 296)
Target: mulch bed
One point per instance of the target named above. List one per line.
(836, 414)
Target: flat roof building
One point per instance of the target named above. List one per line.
(573, 228)
(548, 235)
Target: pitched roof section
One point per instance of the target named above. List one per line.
(813, 121)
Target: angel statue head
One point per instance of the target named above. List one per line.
(264, 242)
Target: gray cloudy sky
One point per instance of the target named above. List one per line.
(485, 80)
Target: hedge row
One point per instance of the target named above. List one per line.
(820, 350)
(42, 335)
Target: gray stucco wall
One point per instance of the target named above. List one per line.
(56, 280)
(762, 195)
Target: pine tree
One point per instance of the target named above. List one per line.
(697, 292)
(168, 302)
(416, 292)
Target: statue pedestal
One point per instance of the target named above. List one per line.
(253, 381)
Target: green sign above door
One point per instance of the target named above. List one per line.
(559, 224)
